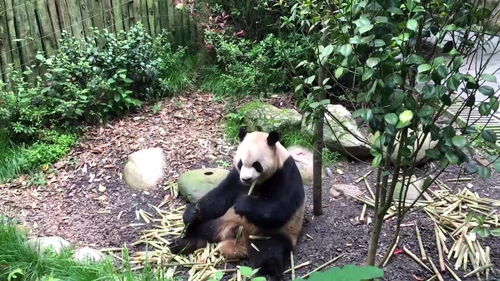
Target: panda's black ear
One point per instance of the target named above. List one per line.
(242, 133)
(273, 138)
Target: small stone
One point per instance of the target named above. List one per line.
(334, 193)
(347, 189)
(340, 172)
(43, 244)
(88, 254)
(101, 188)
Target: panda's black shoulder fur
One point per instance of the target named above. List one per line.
(272, 204)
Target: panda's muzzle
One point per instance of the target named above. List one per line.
(247, 180)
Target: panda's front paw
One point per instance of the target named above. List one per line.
(242, 205)
(191, 214)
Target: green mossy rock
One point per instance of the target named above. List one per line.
(195, 184)
(43, 244)
(260, 116)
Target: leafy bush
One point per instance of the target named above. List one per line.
(92, 81)
(251, 68)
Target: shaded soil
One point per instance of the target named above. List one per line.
(188, 129)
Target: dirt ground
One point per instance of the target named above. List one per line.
(188, 129)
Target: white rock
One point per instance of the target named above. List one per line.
(304, 160)
(145, 169)
(55, 243)
(88, 254)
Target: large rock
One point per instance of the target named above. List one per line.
(304, 160)
(420, 158)
(195, 184)
(54, 243)
(337, 138)
(145, 169)
(259, 116)
(414, 189)
(88, 254)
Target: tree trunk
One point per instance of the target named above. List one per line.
(377, 228)
(318, 149)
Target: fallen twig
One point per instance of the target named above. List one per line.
(324, 265)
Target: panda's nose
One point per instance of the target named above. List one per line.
(246, 180)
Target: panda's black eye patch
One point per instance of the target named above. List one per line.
(258, 167)
(240, 164)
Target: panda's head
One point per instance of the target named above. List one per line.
(258, 156)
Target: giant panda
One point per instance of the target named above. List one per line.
(263, 226)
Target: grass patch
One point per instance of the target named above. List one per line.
(51, 146)
(18, 261)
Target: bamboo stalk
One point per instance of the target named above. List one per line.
(434, 268)
(369, 189)
(477, 270)
(391, 253)
(293, 265)
(324, 265)
(453, 273)
(304, 264)
(440, 250)
(415, 258)
(362, 218)
(420, 244)
(363, 177)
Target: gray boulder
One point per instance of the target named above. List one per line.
(420, 158)
(145, 169)
(259, 116)
(43, 244)
(304, 160)
(195, 184)
(88, 254)
(348, 140)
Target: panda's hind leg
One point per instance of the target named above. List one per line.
(270, 255)
(196, 236)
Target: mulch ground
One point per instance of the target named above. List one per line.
(188, 129)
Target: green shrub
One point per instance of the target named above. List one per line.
(93, 81)
(251, 68)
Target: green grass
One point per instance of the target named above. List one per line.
(18, 261)
(51, 147)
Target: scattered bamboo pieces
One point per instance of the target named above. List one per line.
(391, 252)
(362, 218)
(324, 265)
(436, 271)
(363, 177)
(415, 258)
(451, 213)
(304, 264)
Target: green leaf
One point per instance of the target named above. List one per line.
(367, 74)
(378, 43)
(424, 68)
(412, 24)
(376, 161)
(117, 97)
(459, 141)
(339, 72)
(310, 79)
(487, 91)
(481, 231)
(406, 116)
(489, 136)
(452, 157)
(489, 78)
(348, 272)
(299, 88)
(381, 19)
(495, 232)
(246, 271)
(450, 27)
(391, 118)
(453, 82)
(415, 59)
(365, 28)
(260, 278)
(423, 78)
(346, 50)
(484, 109)
(433, 154)
(372, 62)
(484, 172)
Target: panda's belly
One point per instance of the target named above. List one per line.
(234, 226)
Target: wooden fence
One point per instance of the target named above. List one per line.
(30, 26)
